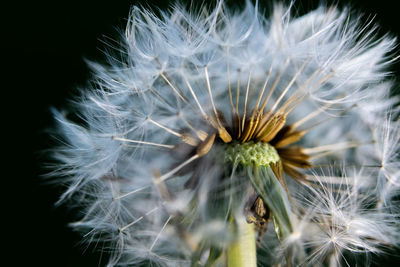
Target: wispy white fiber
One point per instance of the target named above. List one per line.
(131, 155)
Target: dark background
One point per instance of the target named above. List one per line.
(44, 46)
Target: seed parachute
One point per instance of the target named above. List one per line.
(233, 138)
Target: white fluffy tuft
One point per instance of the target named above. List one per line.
(171, 72)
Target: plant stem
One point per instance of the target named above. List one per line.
(242, 253)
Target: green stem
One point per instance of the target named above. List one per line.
(242, 253)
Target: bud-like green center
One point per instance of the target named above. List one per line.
(250, 153)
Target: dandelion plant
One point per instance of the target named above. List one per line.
(232, 138)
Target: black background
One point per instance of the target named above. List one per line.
(44, 46)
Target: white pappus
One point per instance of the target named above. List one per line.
(227, 138)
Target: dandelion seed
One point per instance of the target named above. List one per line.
(232, 127)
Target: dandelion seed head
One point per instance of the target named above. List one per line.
(203, 123)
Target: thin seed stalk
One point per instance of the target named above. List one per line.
(242, 253)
